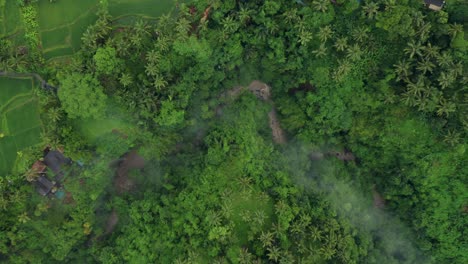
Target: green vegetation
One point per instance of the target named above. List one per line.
(208, 131)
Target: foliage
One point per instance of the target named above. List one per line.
(81, 96)
(383, 82)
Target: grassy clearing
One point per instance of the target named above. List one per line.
(20, 120)
(93, 129)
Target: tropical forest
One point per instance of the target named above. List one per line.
(234, 131)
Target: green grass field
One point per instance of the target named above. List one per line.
(20, 122)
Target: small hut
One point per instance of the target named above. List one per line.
(55, 160)
(43, 185)
(435, 5)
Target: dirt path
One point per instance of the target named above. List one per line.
(263, 92)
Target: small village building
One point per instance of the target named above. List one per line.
(55, 161)
(435, 5)
(53, 164)
(43, 185)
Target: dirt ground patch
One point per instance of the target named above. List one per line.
(131, 160)
(276, 130)
(260, 89)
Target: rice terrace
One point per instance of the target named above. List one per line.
(20, 125)
(63, 23)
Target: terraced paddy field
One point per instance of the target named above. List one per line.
(10, 18)
(20, 123)
(63, 23)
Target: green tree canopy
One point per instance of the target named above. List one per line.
(81, 96)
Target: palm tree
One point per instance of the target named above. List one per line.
(274, 253)
(424, 31)
(321, 5)
(151, 69)
(343, 69)
(182, 28)
(360, 34)
(325, 33)
(315, 233)
(457, 69)
(321, 51)
(452, 138)
(280, 207)
(126, 79)
(305, 37)
(244, 15)
(266, 238)
(259, 217)
(271, 27)
(141, 28)
(418, 18)
(290, 16)
(162, 44)
(226, 209)
(245, 257)
(371, 9)
(341, 43)
(416, 89)
(23, 218)
(425, 66)
(413, 48)
(354, 52)
(244, 182)
(445, 80)
(55, 114)
(213, 218)
(286, 258)
(445, 59)
(159, 82)
(153, 56)
(445, 107)
(431, 51)
(327, 252)
(455, 29)
(136, 40)
(230, 25)
(402, 70)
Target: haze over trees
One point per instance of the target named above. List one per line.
(177, 157)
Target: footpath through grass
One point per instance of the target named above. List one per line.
(20, 123)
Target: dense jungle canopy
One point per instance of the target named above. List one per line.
(233, 131)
